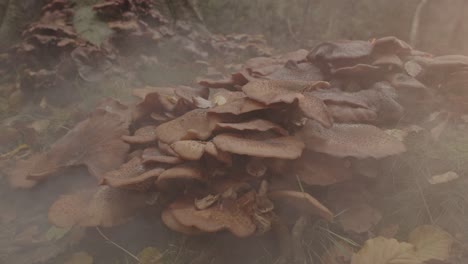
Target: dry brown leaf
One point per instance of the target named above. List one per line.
(102, 206)
(95, 142)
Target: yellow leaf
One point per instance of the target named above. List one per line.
(150, 255)
(382, 250)
(431, 243)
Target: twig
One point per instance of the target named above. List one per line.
(425, 202)
(415, 24)
(117, 245)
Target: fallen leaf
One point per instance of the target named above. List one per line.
(382, 250)
(56, 233)
(431, 243)
(150, 255)
(443, 178)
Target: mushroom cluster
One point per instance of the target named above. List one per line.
(71, 41)
(286, 137)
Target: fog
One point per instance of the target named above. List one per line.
(260, 131)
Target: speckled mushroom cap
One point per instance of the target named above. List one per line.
(350, 140)
(230, 215)
(196, 124)
(277, 147)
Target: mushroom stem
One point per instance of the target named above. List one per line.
(299, 256)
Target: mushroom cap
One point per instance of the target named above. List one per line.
(314, 108)
(196, 124)
(278, 91)
(388, 60)
(220, 155)
(154, 155)
(275, 91)
(391, 45)
(279, 147)
(255, 125)
(143, 135)
(187, 171)
(338, 97)
(319, 169)
(356, 71)
(256, 167)
(350, 140)
(132, 175)
(169, 220)
(238, 106)
(102, 206)
(293, 71)
(229, 215)
(351, 115)
(340, 50)
(189, 149)
(303, 202)
(95, 142)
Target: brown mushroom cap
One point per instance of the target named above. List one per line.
(228, 215)
(356, 71)
(132, 175)
(351, 115)
(238, 106)
(340, 50)
(318, 169)
(169, 220)
(196, 124)
(95, 142)
(276, 91)
(303, 202)
(190, 171)
(388, 60)
(391, 45)
(102, 206)
(255, 125)
(220, 155)
(154, 155)
(350, 140)
(279, 147)
(189, 149)
(143, 135)
(293, 71)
